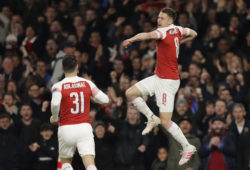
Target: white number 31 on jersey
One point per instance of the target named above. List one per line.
(78, 104)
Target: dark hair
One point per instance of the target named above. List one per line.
(208, 102)
(25, 104)
(5, 115)
(220, 100)
(162, 147)
(227, 89)
(9, 94)
(46, 127)
(170, 12)
(41, 60)
(33, 84)
(195, 63)
(69, 63)
(218, 118)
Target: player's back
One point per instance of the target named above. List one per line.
(75, 102)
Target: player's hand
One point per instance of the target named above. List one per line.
(126, 43)
(142, 148)
(52, 121)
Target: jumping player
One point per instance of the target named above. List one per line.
(165, 83)
(71, 97)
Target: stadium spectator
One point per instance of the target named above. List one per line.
(28, 131)
(42, 73)
(8, 70)
(218, 149)
(104, 142)
(131, 145)
(34, 99)
(160, 163)
(45, 149)
(240, 128)
(9, 105)
(9, 145)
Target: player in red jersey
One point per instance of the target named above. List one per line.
(165, 83)
(71, 97)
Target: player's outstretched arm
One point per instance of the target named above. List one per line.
(100, 97)
(189, 37)
(140, 37)
(55, 103)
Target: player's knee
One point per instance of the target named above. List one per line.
(91, 167)
(132, 93)
(129, 94)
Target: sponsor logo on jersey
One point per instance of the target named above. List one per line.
(173, 31)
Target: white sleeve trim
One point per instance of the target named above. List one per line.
(56, 101)
(101, 98)
(161, 33)
(184, 31)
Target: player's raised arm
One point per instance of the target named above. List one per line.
(55, 103)
(188, 34)
(140, 37)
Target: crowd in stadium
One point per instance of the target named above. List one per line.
(212, 104)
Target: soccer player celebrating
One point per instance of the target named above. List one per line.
(165, 83)
(71, 97)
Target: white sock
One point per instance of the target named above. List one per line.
(176, 132)
(91, 167)
(141, 105)
(67, 166)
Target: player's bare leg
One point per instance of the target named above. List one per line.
(175, 131)
(66, 163)
(89, 162)
(133, 94)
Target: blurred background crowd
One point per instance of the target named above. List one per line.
(211, 106)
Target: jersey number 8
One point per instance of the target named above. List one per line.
(79, 104)
(176, 41)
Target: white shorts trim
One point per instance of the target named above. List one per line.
(78, 136)
(163, 89)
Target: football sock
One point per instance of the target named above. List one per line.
(177, 134)
(91, 167)
(67, 166)
(141, 105)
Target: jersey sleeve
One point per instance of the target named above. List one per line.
(56, 100)
(184, 31)
(94, 89)
(161, 33)
(99, 96)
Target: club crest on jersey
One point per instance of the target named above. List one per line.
(173, 31)
(74, 85)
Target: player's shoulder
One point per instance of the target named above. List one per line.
(57, 85)
(165, 29)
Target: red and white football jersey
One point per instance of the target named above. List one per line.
(75, 99)
(168, 46)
